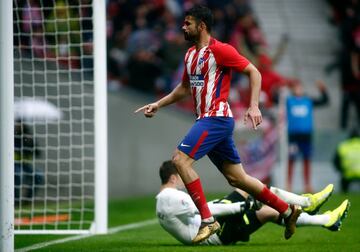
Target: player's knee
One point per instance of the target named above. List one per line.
(236, 180)
(176, 158)
(235, 175)
(179, 159)
(233, 181)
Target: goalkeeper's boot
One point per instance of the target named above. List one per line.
(318, 199)
(337, 215)
(206, 229)
(290, 221)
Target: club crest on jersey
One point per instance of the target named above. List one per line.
(196, 80)
(201, 62)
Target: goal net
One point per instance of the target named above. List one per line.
(56, 112)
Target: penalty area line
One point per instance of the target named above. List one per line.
(79, 237)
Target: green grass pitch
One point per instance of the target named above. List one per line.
(153, 238)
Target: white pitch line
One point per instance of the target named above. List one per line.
(79, 237)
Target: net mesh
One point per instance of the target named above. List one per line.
(54, 113)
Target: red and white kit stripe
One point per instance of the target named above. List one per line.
(208, 72)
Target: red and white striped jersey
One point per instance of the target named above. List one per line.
(208, 71)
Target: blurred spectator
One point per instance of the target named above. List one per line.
(143, 69)
(347, 159)
(27, 178)
(87, 60)
(338, 9)
(86, 14)
(354, 88)
(38, 43)
(143, 39)
(32, 22)
(299, 108)
(219, 29)
(171, 51)
(272, 81)
(346, 14)
(118, 56)
(63, 29)
(86, 49)
(247, 37)
(350, 81)
(144, 66)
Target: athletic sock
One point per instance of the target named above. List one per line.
(270, 199)
(306, 219)
(195, 191)
(291, 198)
(220, 209)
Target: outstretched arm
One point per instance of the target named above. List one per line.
(182, 90)
(324, 97)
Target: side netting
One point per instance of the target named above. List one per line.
(55, 116)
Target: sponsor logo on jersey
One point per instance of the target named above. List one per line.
(300, 110)
(196, 80)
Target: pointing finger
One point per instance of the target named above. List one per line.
(253, 123)
(246, 118)
(142, 108)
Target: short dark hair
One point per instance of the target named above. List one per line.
(166, 170)
(201, 13)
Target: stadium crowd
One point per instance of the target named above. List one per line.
(59, 30)
(146, 45)
(144, 40)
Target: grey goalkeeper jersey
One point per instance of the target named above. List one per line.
(178, 215)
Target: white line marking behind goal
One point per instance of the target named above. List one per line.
(79, 237)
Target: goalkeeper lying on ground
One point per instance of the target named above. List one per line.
(238, 214)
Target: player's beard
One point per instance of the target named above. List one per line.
(191, 37)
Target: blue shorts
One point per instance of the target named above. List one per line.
(300, 144)
(211, 136)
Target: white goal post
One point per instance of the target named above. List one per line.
(6, 129)
(60, 114)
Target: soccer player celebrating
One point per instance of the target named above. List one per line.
(238, 214)
(206, 77)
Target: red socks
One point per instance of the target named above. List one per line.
(270, 199)
(195, 190)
